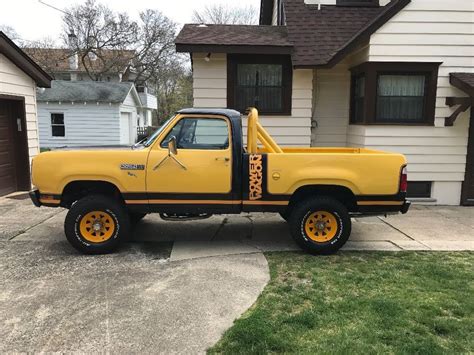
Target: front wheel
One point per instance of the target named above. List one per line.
(320, 225)
(96, 224)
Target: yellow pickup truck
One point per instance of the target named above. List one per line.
(197, 164)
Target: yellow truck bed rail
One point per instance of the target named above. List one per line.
(256, 133)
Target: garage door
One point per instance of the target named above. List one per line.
(8, 179)
(126, 128)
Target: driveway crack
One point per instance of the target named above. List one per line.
(402, 232)
(33, 226)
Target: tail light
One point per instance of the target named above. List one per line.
(404, 180)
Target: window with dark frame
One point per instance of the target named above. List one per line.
(400, 97)
(394, 93)
(263, 82)
(359, 96)
(58, 128)
(419, 189)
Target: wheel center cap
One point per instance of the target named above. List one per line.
(97, 226)
(321, 225)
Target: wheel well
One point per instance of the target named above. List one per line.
(340, 193)
(77, 189)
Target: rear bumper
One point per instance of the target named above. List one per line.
(35, 197)
(405, 207)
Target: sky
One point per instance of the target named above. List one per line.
(34, 21)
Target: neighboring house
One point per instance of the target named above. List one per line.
(393, 75)
(19, 77)
(63, 64)
(83, 113)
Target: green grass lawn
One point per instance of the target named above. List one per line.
(355, 302)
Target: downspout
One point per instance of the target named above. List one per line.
(314, 122)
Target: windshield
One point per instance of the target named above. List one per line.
(149, 141)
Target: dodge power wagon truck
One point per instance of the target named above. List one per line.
(197, 164)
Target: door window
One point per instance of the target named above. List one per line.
(199, 133)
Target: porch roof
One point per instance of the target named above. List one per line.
(463, 81)
(234, 39)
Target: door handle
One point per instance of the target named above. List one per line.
(18, 123)
(223, 159)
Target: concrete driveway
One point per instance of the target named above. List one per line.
(176, 287)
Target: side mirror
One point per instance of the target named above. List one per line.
(172, 150)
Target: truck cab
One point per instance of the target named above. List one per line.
(198, 164)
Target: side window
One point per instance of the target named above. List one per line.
(200, 133)
(58, 128)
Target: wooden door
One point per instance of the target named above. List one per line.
(14, 161)
(467, 197)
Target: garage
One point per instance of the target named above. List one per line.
(19, 78)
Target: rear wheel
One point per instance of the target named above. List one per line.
(320, 225)
(96, 224)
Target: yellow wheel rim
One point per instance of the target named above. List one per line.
(321, 226)
(97, 226)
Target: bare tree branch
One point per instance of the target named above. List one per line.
(226, 14)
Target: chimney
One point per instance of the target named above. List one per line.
(73, 58)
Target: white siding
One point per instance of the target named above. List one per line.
(332, 101)
(129, 106)
(210, 90)
(89, 124)
(14, 82)
(331, 114)
(428, 31)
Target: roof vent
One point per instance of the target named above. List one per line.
(202, 25)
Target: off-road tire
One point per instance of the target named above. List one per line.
(111, 207)
(302, 212)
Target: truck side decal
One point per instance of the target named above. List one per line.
(255, 177)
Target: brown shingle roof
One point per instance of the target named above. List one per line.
(315, 38)
(56, 60)
(322, 37)
(228, 38)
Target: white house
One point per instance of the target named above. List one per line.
(118, 66)
(19, 77)
(393, 75)
(84, 113)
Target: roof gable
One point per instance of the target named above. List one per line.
(323, 37)
(23, 61)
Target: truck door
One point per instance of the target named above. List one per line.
(200, 173)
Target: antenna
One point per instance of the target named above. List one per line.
(53, 7)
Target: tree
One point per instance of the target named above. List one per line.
(11, 33)
(225, 14)
(107, 41)
(173, 84)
